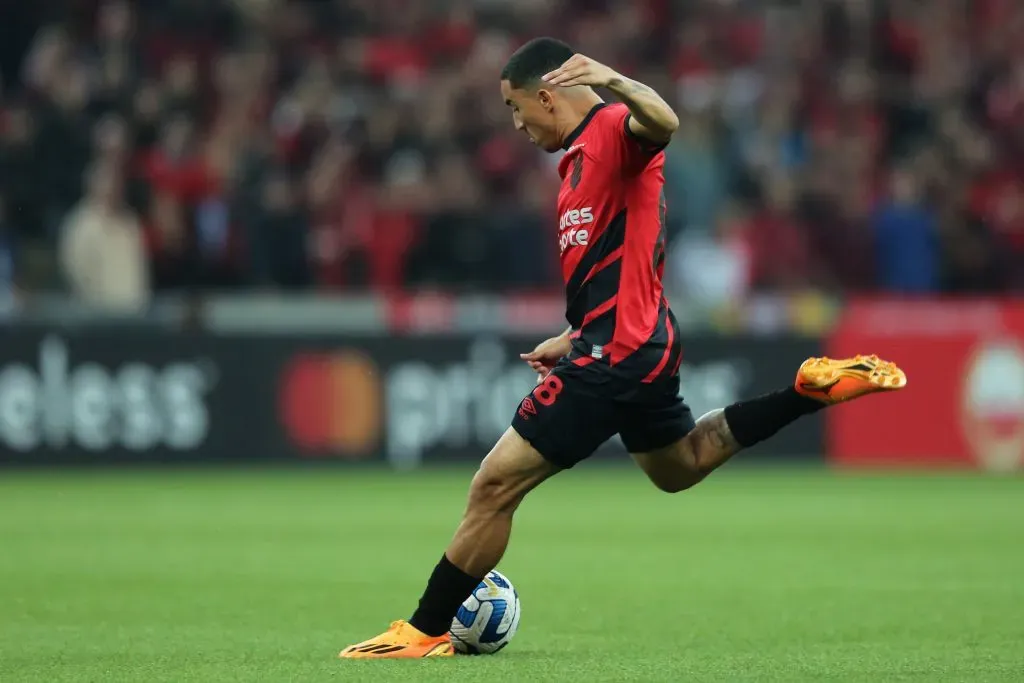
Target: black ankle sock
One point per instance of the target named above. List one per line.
(447, 588)
(755, 420)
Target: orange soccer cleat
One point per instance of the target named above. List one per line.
(834, 381)
(400, 641)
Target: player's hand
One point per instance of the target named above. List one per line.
(547, 354)
(581, 70)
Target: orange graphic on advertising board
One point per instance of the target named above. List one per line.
(330, 403)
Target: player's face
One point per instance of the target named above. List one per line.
(533, 113)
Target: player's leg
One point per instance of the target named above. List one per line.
(676, 465)
(511, 470)
(686, 461)
(554, 428)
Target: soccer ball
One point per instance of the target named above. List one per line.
(488, 618)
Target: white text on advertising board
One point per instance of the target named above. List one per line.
(137, 406)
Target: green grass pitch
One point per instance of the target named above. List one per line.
(752, 576)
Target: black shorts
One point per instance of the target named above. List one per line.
(566, 418)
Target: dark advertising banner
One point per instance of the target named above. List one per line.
(121, 395)
(106, 396)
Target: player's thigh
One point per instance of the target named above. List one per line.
(564, 420)
(655, 434)
(512, 469)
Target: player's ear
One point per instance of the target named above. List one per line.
(546, 99)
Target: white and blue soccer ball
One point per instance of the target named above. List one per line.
(488, 618)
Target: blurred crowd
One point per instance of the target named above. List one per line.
(346, 145)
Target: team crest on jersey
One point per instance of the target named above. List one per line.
(577, 171)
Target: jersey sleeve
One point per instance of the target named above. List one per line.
(634, 152)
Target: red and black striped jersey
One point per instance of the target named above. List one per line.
(611, 208)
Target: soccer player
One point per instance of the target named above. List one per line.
(616, 369)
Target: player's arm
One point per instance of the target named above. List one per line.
(548, 352)
(651, 117)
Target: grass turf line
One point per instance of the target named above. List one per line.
(752, 576)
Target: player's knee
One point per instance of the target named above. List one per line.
(678, 483)
(510, 471)
(492, 493)
(685, 471)
(678, 479)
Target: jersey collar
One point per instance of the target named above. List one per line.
(567, 143)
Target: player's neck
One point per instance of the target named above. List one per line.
(577, 110)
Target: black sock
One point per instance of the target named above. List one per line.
(755, 420)
(446, 590)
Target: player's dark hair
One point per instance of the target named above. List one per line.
(534, 59)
